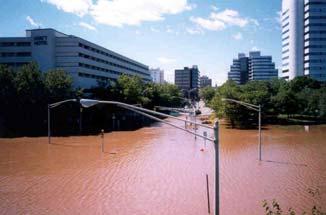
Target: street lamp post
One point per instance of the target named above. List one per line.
(86, 103)
(255, 108)
(50, 106)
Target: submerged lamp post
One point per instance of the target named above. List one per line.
(86, 103)
(50, 106)
(255, 108)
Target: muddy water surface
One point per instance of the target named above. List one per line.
(160, 170)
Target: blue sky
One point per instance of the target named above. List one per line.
(168, 34)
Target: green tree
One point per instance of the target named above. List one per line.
(207, 94)
(58, 84)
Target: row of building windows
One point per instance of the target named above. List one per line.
(316, 61)
(315, 10)
(109, 55)
(16, 64)
(20, 44)
(97, 77)
(315, 17)
(285, 58)
(285, 45)
(315, 3)
(315, 39)
(99, 68)
(15, 54)
(287, 24)
(109, 63)
(286, 18)
(284, 32)
(315, 25)
(285, 12)
(285, 70)
(315, 32)
(315, 68)
(315, 54)
(285, 38)
(285, 51)
(315, 46)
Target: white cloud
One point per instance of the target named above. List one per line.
(165, 60)
(155, 30)
(194, 31)
(78, 7)
(237, 36)
(214, 8)
(214, 25)
(123, 12)
(87, 26)
(254, 48)
(220, 20)
(32, 22)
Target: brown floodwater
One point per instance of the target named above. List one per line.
(160, 170)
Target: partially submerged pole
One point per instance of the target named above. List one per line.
(208, 201)
(217, 183)
(102, 136)
(259, 127)
(49, 125)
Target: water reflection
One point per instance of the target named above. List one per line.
(160, 170)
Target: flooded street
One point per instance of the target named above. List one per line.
(160, 170)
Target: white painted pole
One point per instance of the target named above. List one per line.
(259, 128)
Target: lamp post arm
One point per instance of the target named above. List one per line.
(152, 112)
(61, 102)
(168, 123)
(243, 103)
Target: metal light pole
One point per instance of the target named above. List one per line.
(255, 108)
(50, 106)
(217, 166)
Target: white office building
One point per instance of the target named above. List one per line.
(157, 75)
(86, 62)
(304, 39)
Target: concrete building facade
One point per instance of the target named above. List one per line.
(252, 68)
(86, 62)
(304, 39)
(239, 69)
(157, 75)
(205, 81)
(187, 78)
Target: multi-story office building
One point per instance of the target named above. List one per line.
(86, 62)
(239, 69)
(254, 67)
(205, 81)
(260, 67)
(157, 75)
(187, 78)
(304, 39)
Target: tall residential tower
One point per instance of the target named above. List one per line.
(304, 39)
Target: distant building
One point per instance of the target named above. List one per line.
(187, 79)
(261, 68)
(254, 67)
(86, 62)
(239, 69)
(304, 39)
(157, 75)
(205, 82)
